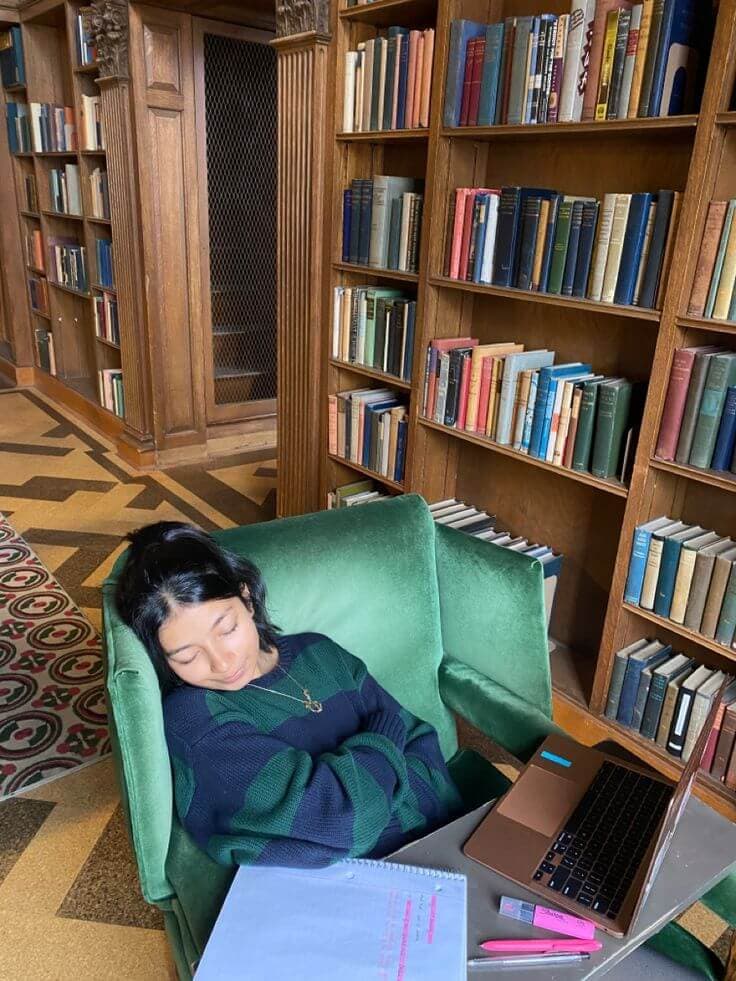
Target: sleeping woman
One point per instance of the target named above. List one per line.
(285, 750)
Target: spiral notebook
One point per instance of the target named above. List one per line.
(363, 919)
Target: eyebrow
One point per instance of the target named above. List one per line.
(216, 622)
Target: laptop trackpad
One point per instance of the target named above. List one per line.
(540, 800)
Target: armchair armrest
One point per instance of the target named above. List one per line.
(502, 715)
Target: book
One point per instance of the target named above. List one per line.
(588, 223)
(357, 898)
(633, 244)
(637, 561)
(632, 49)
(645, 682)
(676, 63)
(655, 28)
(685, 572)
(655, 576)
(614, 399)
(519, 71)
(617, 676)
(673, 667)
(461, 33)
(635, 664)
(640, 60)
(723, 452)
(673, 537)
(721, 375)
(491, 75)
(727, 618)
(615, 247)
(586, 425)
(668, 705)
(716, 591)
(707, 257)
(602, 10)
(608, 55)
(664, 226)
(600, 253)
(704, 566)
(729, 696)
(720, 258)
(577, 60)
(514, 363)
(619, 59)
(674, 404)
(704, 696)
(683, 709)
(692, 403)
(724, 746)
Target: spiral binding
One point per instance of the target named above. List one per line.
(434, 873)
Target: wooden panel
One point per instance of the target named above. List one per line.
(161, 45)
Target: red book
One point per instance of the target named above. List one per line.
(469, 64)
(707, 257)
(483, 394)
(710, 747)
(475, 80)
(468, 211)
(457, 233)
(674, 403)
(462, 408)
(440, 346)
(412, 78)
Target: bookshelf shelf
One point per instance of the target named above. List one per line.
(707, 323)
(18, 87)
(677, 628)
(383, 13)
(40, 313)
(104, 289)
(38, 272)
(92, 153)
(30, 214)
(98, 221)
(104, 340)
(68, 289)
(64, 216)
(92, 69)
(610, 127)
(384, 136)
(402, 277)
(24, 154)
(382, 376)
(614, 309)
(393, 484)
(54, 153)
(713, 478)
(726, 118)
(610, 486)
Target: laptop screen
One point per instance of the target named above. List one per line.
(679, 800)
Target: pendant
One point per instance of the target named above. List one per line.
(313, 705)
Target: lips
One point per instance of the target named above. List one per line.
(233, 677)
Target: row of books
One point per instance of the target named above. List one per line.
(68, 263)
(564, 414)
(382, 221)
(614, 251)
(110, 383)
(39, 293)
(606, 59)
(666, 697)
(388, 81)
(699, 418)
(19, 129)
(53, 129)
(92, 134)
(374, 327)
(65, 189)
(714, 285)
(100, 193)
(12, 63)
(29, 183)
(105, 272)
(86, 50)
(107, 324)
(45, 350)
(357, 492)
(686, 574)
(369, 427)
(34, 250)
(46, 128)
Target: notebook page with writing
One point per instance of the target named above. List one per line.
(363, 919)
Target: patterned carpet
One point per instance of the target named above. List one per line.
(70, 905)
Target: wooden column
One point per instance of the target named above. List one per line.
(305, 110)
(110, 27)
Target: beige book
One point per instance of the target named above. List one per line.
(418, 77)
(332, 428)
(668, 706)
(728, 277)
(359, 78)
(347, 306)
(615, 247)
(685, 572)
(426, 77)
(348, 107)
(704, 565)
(716, 592)
(497, 385)
(407, 200)
(564, 425)
(496, 363)
(382, 82)
(368, 84)
(640, 61)
(602, 243)
(577, 398)
(702, 701)
(523, 381)
(651, 573)
(539, 244)
(479, 352)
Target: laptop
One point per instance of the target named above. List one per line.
(585, 830)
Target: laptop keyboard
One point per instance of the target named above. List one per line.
(595, 857)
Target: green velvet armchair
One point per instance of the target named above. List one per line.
(444, 622)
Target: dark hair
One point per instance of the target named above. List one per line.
(171, 563)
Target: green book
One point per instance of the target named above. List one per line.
(727, 620)
(614, 399)
(586, 419)
(372, 298)
(559, 249)
(721, 374)
(661, 676)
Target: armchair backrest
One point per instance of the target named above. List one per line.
(365, 576)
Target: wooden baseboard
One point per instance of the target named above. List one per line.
(19, 376)
(589, 729)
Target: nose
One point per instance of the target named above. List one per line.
(221, 662)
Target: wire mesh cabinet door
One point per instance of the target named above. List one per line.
(236, 92)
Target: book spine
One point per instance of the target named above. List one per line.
(577, 61)
(503, 264)
(627, 76)
(588, 225)
(619, 59)
(607, 59)
(667, 575)
(721, 373)
(707, 257)
(683, 582)
(724, 746)
(491, 73)
(613, 409)
(558, 63)
(651, 57)
(615, 685)
(628, 692)
(632, 248)
(680, 720)
(475, 81)
(640, 59)
(615, 248)
(573, 245)
(651, 573)
(723, 452)
(727, 278)
(584, 437)
(530, 218)
(720, 257)
(653, 708)
(727, 620)
(603, 241)
(692, 405)
(710, 747)
(519, 73)
(714, 600)
(559, 251)
(674, 405)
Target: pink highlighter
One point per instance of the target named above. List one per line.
(548, 919)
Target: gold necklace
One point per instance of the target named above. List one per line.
(312, 704)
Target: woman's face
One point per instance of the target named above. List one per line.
(213, 644)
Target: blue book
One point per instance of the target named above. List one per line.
(650, 282)
(525, 194)
(372, 410)
(506, 235)
(364, 235)
(673, 538)
(638, 561)
(519, 76)
(394, 235)
(482, 203)
(588, 227)
(400, 451)
(528, 98)
(403, 81)
(347, 207)
(676, 62)
(461, 31)
(636, 663)
(489, 86)
(538, 448)
(12, 114)
(636, 227)
(573, 245)
(720, 256)
(529, 418)
(393, 34)
(549, 241)
(530, 215)
(355, 201)
(726, 437)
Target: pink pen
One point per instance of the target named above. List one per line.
(541, 946)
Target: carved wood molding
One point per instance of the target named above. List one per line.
(302, 17)
(109, 26)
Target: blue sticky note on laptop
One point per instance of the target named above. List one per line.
(360, 919)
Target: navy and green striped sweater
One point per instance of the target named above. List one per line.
(261, 780)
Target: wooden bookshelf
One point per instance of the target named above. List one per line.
(590, 521)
